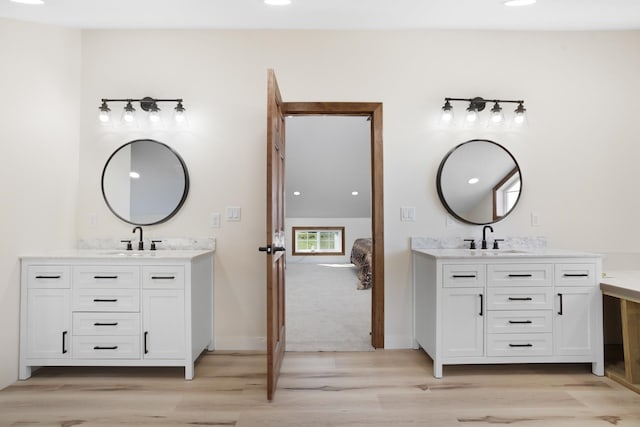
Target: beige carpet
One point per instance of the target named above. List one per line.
(324, 309)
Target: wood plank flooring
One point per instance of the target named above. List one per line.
(379, 388)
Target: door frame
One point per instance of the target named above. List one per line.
(374, 111)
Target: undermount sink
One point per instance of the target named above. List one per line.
(124, 253)
(496, 252)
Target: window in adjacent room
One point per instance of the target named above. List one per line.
(318, 240)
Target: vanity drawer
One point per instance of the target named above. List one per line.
(517, 274)
(519, 321)
(520, 298)
(109, 276)
(163, 277)
(519, 345)
(106, 324)
(106, 300)
(106, 347)
(49, 276)
(463, 275)
(575, 274)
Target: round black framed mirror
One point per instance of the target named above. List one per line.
(145, 182)
(479, 182)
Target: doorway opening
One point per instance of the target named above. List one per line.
(328, 210)
(369, 116)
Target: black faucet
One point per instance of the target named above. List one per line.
(484, 236)
(141, 243)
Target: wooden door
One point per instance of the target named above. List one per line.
(275, 234)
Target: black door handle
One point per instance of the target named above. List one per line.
(271, 249)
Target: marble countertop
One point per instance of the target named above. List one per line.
(622, 284)
(118, 254)
(503, 253)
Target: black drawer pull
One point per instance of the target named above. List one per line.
(146, 336)
(105, 277)
(105, 300)
(98, 347)
(64, 346)
(575, 275)
(521, 275)
(561, 308)
(105, 324)
(481, 304)
(520, 322)
(520, 299)
(520, 345)
(163, 277)
(58, 276)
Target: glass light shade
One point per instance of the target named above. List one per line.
(105, 113)
(497, 116)
(180, 114)
(472, 114)
(154, 114)
(447, 113)
(520, 117)
(129, 114)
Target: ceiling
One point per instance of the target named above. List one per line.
(328, 158)
(332, 14)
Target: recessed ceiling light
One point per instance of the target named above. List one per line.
(473, 181)
(277, 2)
(296, 193)
(519, 2)
(354, 193)
(29, 1)
(134, 175)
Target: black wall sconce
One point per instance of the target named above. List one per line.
(478, 104)
(147, 104)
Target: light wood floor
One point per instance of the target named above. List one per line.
(379, 388)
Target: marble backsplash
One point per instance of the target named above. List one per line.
(167, 243)
(522, 243)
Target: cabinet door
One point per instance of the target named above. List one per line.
(463, 322)
(163, 324)
(48, 323)
(573, 320)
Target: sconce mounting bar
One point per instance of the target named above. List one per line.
(479, 103)
(145, 103)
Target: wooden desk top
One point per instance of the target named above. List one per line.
(623, 284)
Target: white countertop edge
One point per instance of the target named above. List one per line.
(118, 255)
(489, 254)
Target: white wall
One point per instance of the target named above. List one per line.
(578, 155)
(354, 228)
(40, 87)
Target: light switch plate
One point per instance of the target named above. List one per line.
(233, 213)
(407, 213)
(215, 220)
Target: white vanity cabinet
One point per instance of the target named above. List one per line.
(48, 290)
(163, 322)
(86, 308)
(474, 307)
